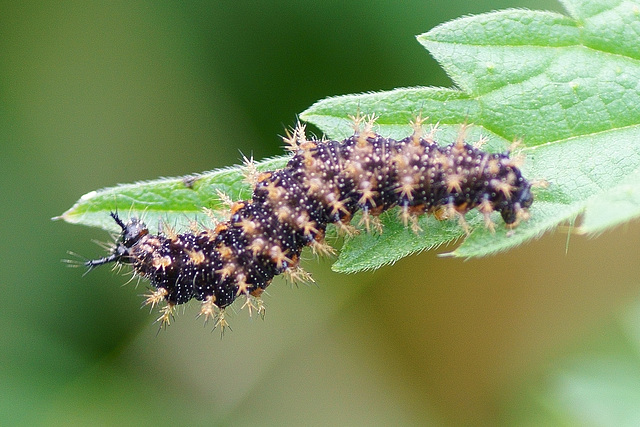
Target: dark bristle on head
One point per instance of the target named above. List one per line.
(325, 182)
(131, 233)
(117, 219)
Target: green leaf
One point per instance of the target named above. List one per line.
(175, 201)
(566, 86)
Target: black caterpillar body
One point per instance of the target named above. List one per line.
(325, 182)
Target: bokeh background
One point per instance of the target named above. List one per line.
(98, 93)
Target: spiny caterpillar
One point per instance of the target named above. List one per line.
(325, 182)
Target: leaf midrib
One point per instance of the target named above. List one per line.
(583, 135)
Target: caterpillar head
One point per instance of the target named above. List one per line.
(132, 231)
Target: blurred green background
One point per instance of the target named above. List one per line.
(98, 93)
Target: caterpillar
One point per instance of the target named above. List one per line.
(325, 182)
